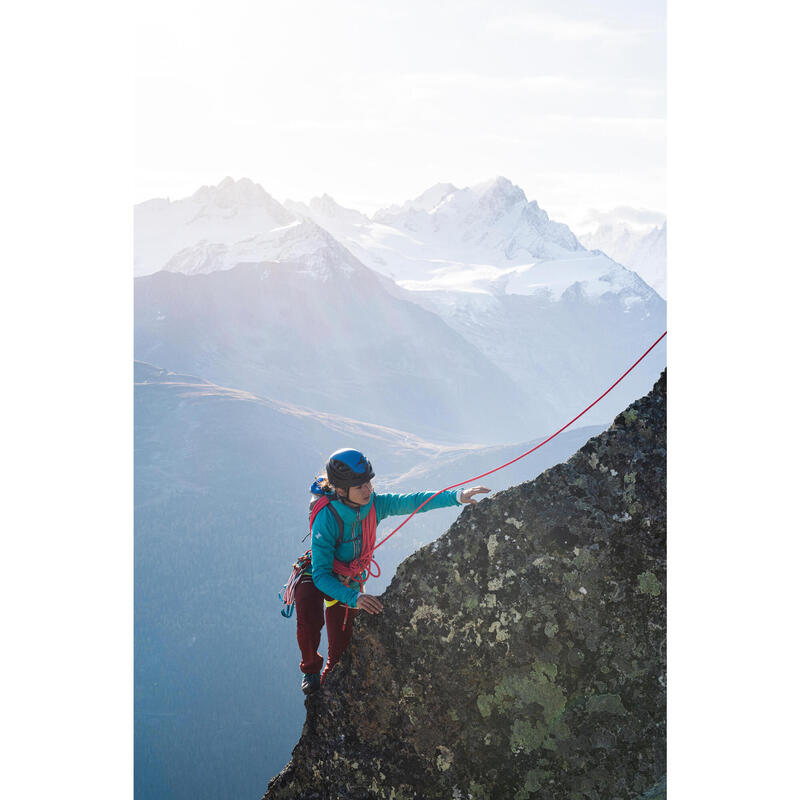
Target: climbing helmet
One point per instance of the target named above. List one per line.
(347, 468)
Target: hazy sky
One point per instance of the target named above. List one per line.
(374, 102)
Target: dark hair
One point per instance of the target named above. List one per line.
(323, 483)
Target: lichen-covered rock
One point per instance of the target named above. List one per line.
(522, 654)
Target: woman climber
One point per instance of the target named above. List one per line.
(344, 516)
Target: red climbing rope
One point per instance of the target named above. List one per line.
(528, 452)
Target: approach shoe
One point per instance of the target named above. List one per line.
(310, 682)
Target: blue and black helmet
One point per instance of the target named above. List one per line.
(347, 468)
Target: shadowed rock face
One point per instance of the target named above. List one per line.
(522, 654)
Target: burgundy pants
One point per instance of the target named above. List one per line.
(311, 615)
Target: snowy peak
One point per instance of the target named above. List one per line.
(244, 193)
(238, 222)
(640, 247)
(486, 201)
(427, 202)
(499, 190)
(304, 244)
(217, 216)
(497, 199)
(431, 198)
(327, 212)
(445, 199)
(328, 207)
(494, 219)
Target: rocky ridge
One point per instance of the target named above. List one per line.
(522, 654)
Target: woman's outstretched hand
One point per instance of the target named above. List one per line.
(467, 494)
(370, 604)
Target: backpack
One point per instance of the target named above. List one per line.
(303, 564)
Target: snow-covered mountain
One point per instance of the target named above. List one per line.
(563, 340)
(495, 214)
(483, 238)
(301, 242)
(641, 249)
(448, 237)
(327, 212)
(231, 212)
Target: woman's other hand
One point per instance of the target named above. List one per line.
(370, 604)
(467, 494)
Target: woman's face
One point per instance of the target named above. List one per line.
(360, 494)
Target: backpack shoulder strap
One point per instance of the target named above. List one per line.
(316, 507)
(339, 524)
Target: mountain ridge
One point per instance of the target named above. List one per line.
(232, 327)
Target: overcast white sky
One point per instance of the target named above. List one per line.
(374, 102)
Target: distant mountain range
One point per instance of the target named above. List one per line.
(447, 237)
(498, 315)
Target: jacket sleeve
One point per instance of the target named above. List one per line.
(323, 545)
(390, 505)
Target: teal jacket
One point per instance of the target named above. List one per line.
(325, 532)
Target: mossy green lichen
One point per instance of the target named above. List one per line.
(605, 704)
(426, 613)
(500, 633)
(534, 780)
(478, 792)
(630, 415)
(445, 758)
(485, 704)
(538, 687)
(585, 559)
(649, 584)
(523, 737)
